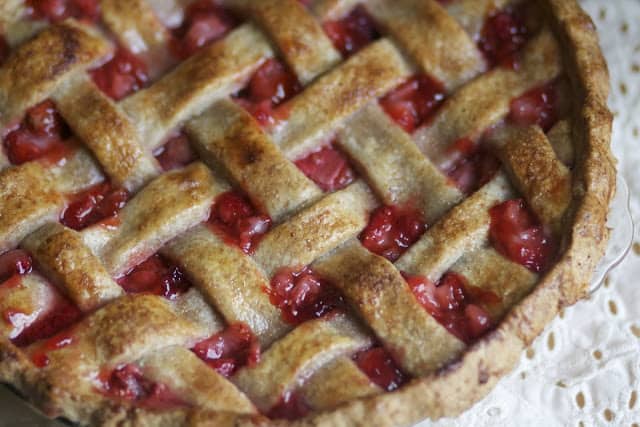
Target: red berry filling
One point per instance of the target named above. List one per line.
(40, 356)
(391, 230)
(127, 382)
(328, 168)
(122, 75)
(58, 10)
(455, 304)
(291, 406)
(204, 22)
(503, 35)
(40, 135)
(155, 276)
(413, 102)
(94, 205)
(538, 106)
(176, 153)
(15, 262)
(60, 316)
(380, 367)
(469, 165)
(229, 350)
(235, 219)
(301, 295)
(516, 233)
(353, 32)
(271, 85)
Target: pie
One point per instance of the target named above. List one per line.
(311, 213)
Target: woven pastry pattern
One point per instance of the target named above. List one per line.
(168, 211)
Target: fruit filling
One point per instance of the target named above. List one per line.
(58, 10)
(40, 354)
(301, 295)
(517, 234)
(455, 304)
(328, 167)
(413, 102)
(99, 204)
(234, 218)
(230, 349)
(291, 406)
(122, 75)
(271, 85)
(204, 22)
(15, 262)
(353, 32)
(539, 106)
(392, 230)
(61, 315)
(468, 165)
(155, 276)
(40, 135)
(380, 367)
(127, 382)
(175, 153)
(502, 37)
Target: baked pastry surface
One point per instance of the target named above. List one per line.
(328, 212)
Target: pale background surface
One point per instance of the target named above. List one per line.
(585, 368)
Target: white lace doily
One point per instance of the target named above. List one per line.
(584, 370)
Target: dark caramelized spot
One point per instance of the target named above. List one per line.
(469, 165)
(291, 406)
(353, 32)
(15, 262)
(380, 367)
(271, 85)
(392, 230)
(413, 102)
(40, 135)
(95, 205)
(455, 304)
(328, 167)
(539, 106)
(122, 75)
(127, 382)
(229, 350)
(503, 36)
(155, 276)
(517, 234)
(302, 295)
(59, 10)
(175, 153)
(234, 218)
(204, 22)
(4, 49)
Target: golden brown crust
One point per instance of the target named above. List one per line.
(299, 37)
(61, 254)
(213, 73)
(32, 72)
(28, 200)
(107, 132)
(228, 137)
(470, 378)
(407, 21)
